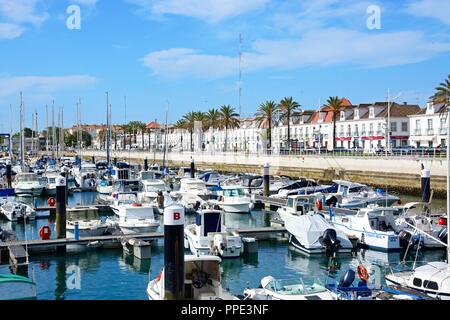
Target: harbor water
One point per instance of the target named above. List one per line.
(108, 274)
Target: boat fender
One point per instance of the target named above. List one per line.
(362, 273)
(51, 202)
(347, 279)
(45, 233)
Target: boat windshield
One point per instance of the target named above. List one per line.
(155, 187)
(234, 192)
(296, 286)
(126, 198)
(147, 176)
(27, 178)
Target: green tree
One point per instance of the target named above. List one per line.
(287, 107)
(335, 106)
(265, 117)
(442, 94)
(229, 119)
(213, 118)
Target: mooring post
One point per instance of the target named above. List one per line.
(9, 175)
(61, 189)
(425, 184)
(266, 178)
(115, 161)
(145, 164)
(93, 159)
(174, 252)
(192, 168)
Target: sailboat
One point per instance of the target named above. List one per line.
(432, 278)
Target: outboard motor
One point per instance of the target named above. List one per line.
(443, 235)
(331, 201)
(347, 279)
(406, 238)
(329, 240)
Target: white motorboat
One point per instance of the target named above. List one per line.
(192, 193)
(86, 176)
(351, 195)
(414, 223)
(303, 288)
(134, 217)
(28, 184)
(212, 178)
(309, 231)
(86, 228)
(373, 226)
(233, 199)
(202, 280)
(210, 236)
(15, 211)
(105, 187)
(50, 187)
(150, 187)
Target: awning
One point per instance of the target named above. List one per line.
(372, 138)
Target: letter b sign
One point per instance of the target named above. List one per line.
(176, 216)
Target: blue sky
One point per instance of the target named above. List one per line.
(184, 53)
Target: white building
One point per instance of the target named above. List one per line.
(429, 127)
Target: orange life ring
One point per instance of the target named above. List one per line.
(51, 202)
(45, 233)
(362, 273)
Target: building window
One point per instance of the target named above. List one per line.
(371, 112)
(394, 126)
(430, 124)
(405, 126)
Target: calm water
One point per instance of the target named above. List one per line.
(109, 275)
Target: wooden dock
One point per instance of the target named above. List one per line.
(18, 255)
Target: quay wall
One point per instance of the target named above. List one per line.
(398, 173)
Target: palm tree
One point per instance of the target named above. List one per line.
(442, 94)
(141, 126)
(229, 119)
(181, 125)
(189, 123)
(265, 117)
(287, 107)
(101, 137)
(334, 105)
(213, 118)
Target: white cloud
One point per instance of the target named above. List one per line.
(87, 3)
(11, 85)
(209, 10)
(431, 8)
(22, 11)
(10, 31)
(318, 48)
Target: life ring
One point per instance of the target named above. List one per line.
(362, 273)
(51, 202)
(45, 233)
(158, 278)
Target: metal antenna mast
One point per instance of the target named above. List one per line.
(240, 75)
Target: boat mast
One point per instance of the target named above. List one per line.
(108, 159)
(22, 137)
(37, 132)
(165, 141)
(61, 130)
(10, 132)
(53, 129)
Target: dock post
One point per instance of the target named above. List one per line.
(425, 182)
(9, 175)
(192, 168)
(174, 253)
(93, 159)
(145, 164)
(61, 189)
(266, 178)
(115, 161)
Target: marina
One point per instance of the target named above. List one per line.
(237, 152)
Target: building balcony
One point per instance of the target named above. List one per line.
(363, 133)
(443, 131)
(417, 132)
(430, 131)
(371, 133)
(355, 134)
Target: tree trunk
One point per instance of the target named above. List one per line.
(143, 144)
(149, 139)
(192, 142)
(270, 133)
(226, 139)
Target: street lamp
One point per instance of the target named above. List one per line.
(388, 133)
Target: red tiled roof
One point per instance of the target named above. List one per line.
(153, 125)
